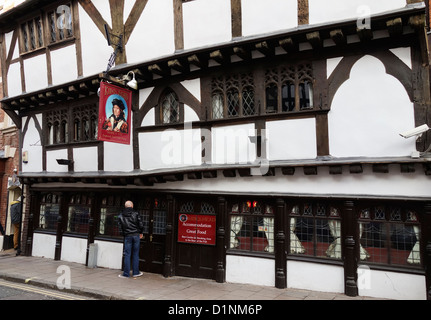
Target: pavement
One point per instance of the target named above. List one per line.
(104, 284)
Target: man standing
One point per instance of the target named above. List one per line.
(15, 215)
(132, 228)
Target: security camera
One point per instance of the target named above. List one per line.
(418, 131)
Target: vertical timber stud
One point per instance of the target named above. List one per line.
(426, 225)
(61, 221)
(31, 221)
(280, 245)
(221, 240)
(350, 261)
(169, 250)
(236, 18)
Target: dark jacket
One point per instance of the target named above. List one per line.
(130, 222)
(15, 211)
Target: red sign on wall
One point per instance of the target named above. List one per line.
(197, 228)
(115, 104)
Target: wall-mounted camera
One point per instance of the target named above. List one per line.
(418, 131)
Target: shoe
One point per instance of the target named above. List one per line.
(122, 276)
(138, 275)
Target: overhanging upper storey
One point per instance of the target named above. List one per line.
(390, 29)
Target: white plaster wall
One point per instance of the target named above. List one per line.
(35, 70)
(333, 10)
(206, 22)
(315, 276)
(14, 80)
(170, 148)
(395, 183)
(264, 16)
(392, 285)
(8, 40)
(257, 271)
(32, 144)
(156, 26)
(85, 159)
(231, 144)
(291, 139)
(149, 119)
(43, 245)
(119, 156)
(51, 160)
(73, 250)
(109, 254)
(63, 65)
(95, 49)
(368, 113)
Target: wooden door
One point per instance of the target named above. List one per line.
(152, 251)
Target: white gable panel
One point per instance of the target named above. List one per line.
(264, 16)
(333, 10)
(32, 145)
(14, 80)
(63, 65)
(36, 73)
(206, 22)
(153, 35)
(368, 112)
(95, 49)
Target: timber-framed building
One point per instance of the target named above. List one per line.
(272, 127)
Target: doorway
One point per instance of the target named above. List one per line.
(153, 211)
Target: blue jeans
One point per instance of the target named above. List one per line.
(131, 250)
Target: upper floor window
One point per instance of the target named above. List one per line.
(78, 124)
(169, 108)
(289, 88)
(60, 23)
(232, 96)
(50, 27)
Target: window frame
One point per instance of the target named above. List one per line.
(160, 108)
(388, 244)
(334, 248)
(250, 221)
(43, 39)
(61, 124)
(231, 87)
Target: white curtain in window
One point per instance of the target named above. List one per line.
(414, 256)
(235, 227)
(363, 254)
(334, 250)
(295, 245)
(268, 223)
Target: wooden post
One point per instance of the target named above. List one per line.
(350, 261)
(280, 245)
(30, 224)
(426, 230)
(221, 240)
(169, 249)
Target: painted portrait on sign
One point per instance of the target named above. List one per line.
(114, 114)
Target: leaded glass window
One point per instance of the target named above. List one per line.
(233, 95)
(49, 211)
(389, 235)
(252, 226)
(170, 108)
(315, 230)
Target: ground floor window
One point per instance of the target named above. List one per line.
(49, 211)
(252, 226)
(315, 230)
(79, 210)
(389, 235)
